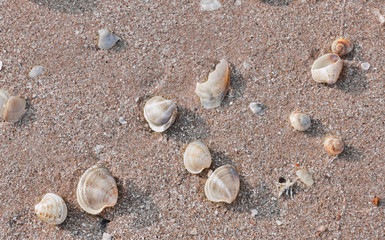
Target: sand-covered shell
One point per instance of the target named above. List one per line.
(210, 5)
(300, 121)
(160, 113)
(197, 157)
(14, 109)
(4, 96)
(97, 190)
(334, 145)
(327, 68)
(107, 39)
(36, 71)
(51, 209)
(342, 46)
(223, 184)
(212, 92)
(305, 177)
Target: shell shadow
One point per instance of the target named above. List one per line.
(219, 159)
(68, 6)
(237, 86)
(352, 80)
(316, 129)
(120, 45)
(29, 115)
(351, 154)
(277, 2)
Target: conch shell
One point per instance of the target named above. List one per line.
(106, 39)
(327, 68)
(14, 109)
(160, 113)
(223, 185)
(334, 145)
(197, 157)
(300, 121)
(51, 209)
(97, 190)
(213, 91)
(342, 46)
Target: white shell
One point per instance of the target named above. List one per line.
(327, 68)
(36, 71)
(213, 91)
(160, 113)
(300, 121)
(1, 65)
(106, 39)
(305, 176)
(223, 184)
(97, 190)
(197, 157)
(14, 109)
(210, 5)
(334, 145)
(51, 209)
(256, 107)
(4, 96)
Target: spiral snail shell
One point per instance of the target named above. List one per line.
(327, 68)
(51, 209)
(197, 157)
(300, 121)
(334, 145)
(342, 46)
(160, 113)
(13, 109)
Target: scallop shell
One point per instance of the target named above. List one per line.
(160, 113)
(106, 39)
(213, 91)
(210, 5)
(327, 68)
(14, 109)
(300, 121)
(51, 209)
(342, 46)
(305, 176)
(97, 190)
(334, 145)
(223, 184)
(197, 157)
(4, 96)
(36, 71)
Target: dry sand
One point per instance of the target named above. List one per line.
(166, 47)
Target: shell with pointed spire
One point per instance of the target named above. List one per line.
(327, 68)
(223, 184)
(14, 109)
(197, 157)
(334, 145)
(300, 121)
(342, 46)
(160, 113)
(51, 209)
(107, 39)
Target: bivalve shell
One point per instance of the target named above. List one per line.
(300, 121)
(106, 39)
(327, 68)
(334, 145)
(160, 113)
(197, 157)
(51, 209)
(223, 185)
(342, 46)
(305, 177)
(14, 109)
(97, 190)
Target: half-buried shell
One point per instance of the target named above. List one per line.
(223, 184)
(197, 157)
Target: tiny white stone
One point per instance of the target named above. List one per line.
(98, 149)
(210, 5)
(122, 121)
(36, 71)
(365, 65)
(279, 223)
(107, 236)
(256, 107)
(254, 212)
(238, 2)
(137, 99)
(1, 65)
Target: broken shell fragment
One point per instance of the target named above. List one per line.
(107, 39)
(305, 177)
(51, 209)
(97, 190)
(342, 46)
(300, 121)
(14, 109)
(197, 157)
(212, 92)
(210, 5)
(4, 96)
(334, 145)
(285, 186)
(327, 68)
(160, 113)
(36, 71)
(223, 185)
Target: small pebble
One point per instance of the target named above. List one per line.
(279, 223)
(254, 212)
(193, 231)
(365, 66)
(98, 149)
(122, 121)
(107, 236)
(36, 71)
(376, 201)
(238, 2)
(210, 5)
(381, 18)
(256, 107)
(1, 65)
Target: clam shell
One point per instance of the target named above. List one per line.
(106, 39)
(342, 46)
(160, 113)
(4, 96)
(300, 121)
(210, 5)
(327, 68)
(223, 185)
(305, 176)
(36, 71)
(213, 91)
(197, 157)
(334, 145)
(14, 109)
(97, 190)
(51, 209)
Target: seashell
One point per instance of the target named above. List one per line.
(36, 71)
(4, 96)
(213, 91)
(300, 121)
(14, 109)
(305, 176)
(106, 39)
(342, 46)
(334, 145)
(327, 68)
(97, 190)
(223, 185)
(210, 5)
(160, 113)
(256, 107)
(197, 157)
(51, 209)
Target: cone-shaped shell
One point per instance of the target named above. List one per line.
(305, 176)
(197, 157)
(327, 68)
(4, 96)
(97, 190)
(160, 113)
(334, 145)
(342, 46)
(51, 209)
(300, 121)
(106, 39)
(14, 109)
(223, 185)
(213, 91)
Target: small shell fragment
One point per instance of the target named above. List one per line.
(223, 185)
(107, 39)
(4, 96)
(334, 145)
(1, 65)
(365, 65)
(210, 5)
(305, 176)
(342, 46)
(327, 68)
(36, 71)
(51, 209)
(256, 107)
(285, 186)
(160, 113)
(381, 18)
(14, 109)
(300, 121)
(197, 157)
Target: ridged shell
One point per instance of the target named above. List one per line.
(213, 91)
(210, 5)
(342, 46)
(223, 184)
(97, 190)
(160, 113)
(327, 68)
(197, 157)
(4, 96)
(334, 145)
(300, 121)
(36, 71)
(106, 39)
(305, 176)
(51, 209)
(14, 109)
